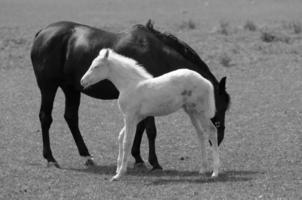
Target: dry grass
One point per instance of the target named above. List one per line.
(296, 26)
(224, 27)
(187, 25)
(272, 36)
(250, 26)
(261, 154)
(225, 60)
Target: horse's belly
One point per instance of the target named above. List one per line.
(102, 90)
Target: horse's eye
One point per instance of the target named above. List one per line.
(217, 124)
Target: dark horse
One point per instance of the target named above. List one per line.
(63, 51)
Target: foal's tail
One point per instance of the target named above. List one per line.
(211, 101)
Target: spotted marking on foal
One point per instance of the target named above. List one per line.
(190, 106)
(186, 93)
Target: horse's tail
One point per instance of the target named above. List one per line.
(211, 101)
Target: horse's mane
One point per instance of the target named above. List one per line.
(131, 63)
(180, 46)
(183, 49)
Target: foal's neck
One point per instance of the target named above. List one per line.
(125, 75)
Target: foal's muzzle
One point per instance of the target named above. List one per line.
(84, 84)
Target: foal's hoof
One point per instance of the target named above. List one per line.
(53, 164)
(214, 175)
(115, 178)
(90, 163)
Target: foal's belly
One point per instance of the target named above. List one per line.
(159, 107)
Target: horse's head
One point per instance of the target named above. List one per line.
(98, 69)
(222, 104)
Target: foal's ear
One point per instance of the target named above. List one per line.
(222, 84)
(107, 53)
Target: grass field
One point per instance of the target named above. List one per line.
(256, 44)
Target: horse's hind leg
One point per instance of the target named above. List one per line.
(72, 103)
(151, 134)
(47, 98)
(148, 124)
(135, 151)
(212, 135)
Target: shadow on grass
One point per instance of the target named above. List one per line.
(162, 177)
(195, 177)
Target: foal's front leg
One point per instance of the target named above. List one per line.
(212, 131)
(130, 124)
(120, 152)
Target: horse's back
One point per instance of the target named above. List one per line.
(52, 41)
(64, 50)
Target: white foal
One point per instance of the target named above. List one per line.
(141, 95)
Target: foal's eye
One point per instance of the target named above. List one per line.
(96, 66)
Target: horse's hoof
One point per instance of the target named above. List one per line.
(140, 165)
(157, 168)
(90, 163)
(53, 164)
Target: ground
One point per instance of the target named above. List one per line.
(261, 154)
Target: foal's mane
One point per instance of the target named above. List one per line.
(178, 45)
(130, 63)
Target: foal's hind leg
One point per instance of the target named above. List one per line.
(72, 103)
(47, 97)
(195, 121)
(212, 135)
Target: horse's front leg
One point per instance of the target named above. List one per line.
(130, 124)
(137, 143)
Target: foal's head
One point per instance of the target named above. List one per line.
(222, 104)
(98, 69)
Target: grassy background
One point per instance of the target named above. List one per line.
(261, 155)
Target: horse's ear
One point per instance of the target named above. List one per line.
(149, 24)
(106, 54)
(222, 84)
